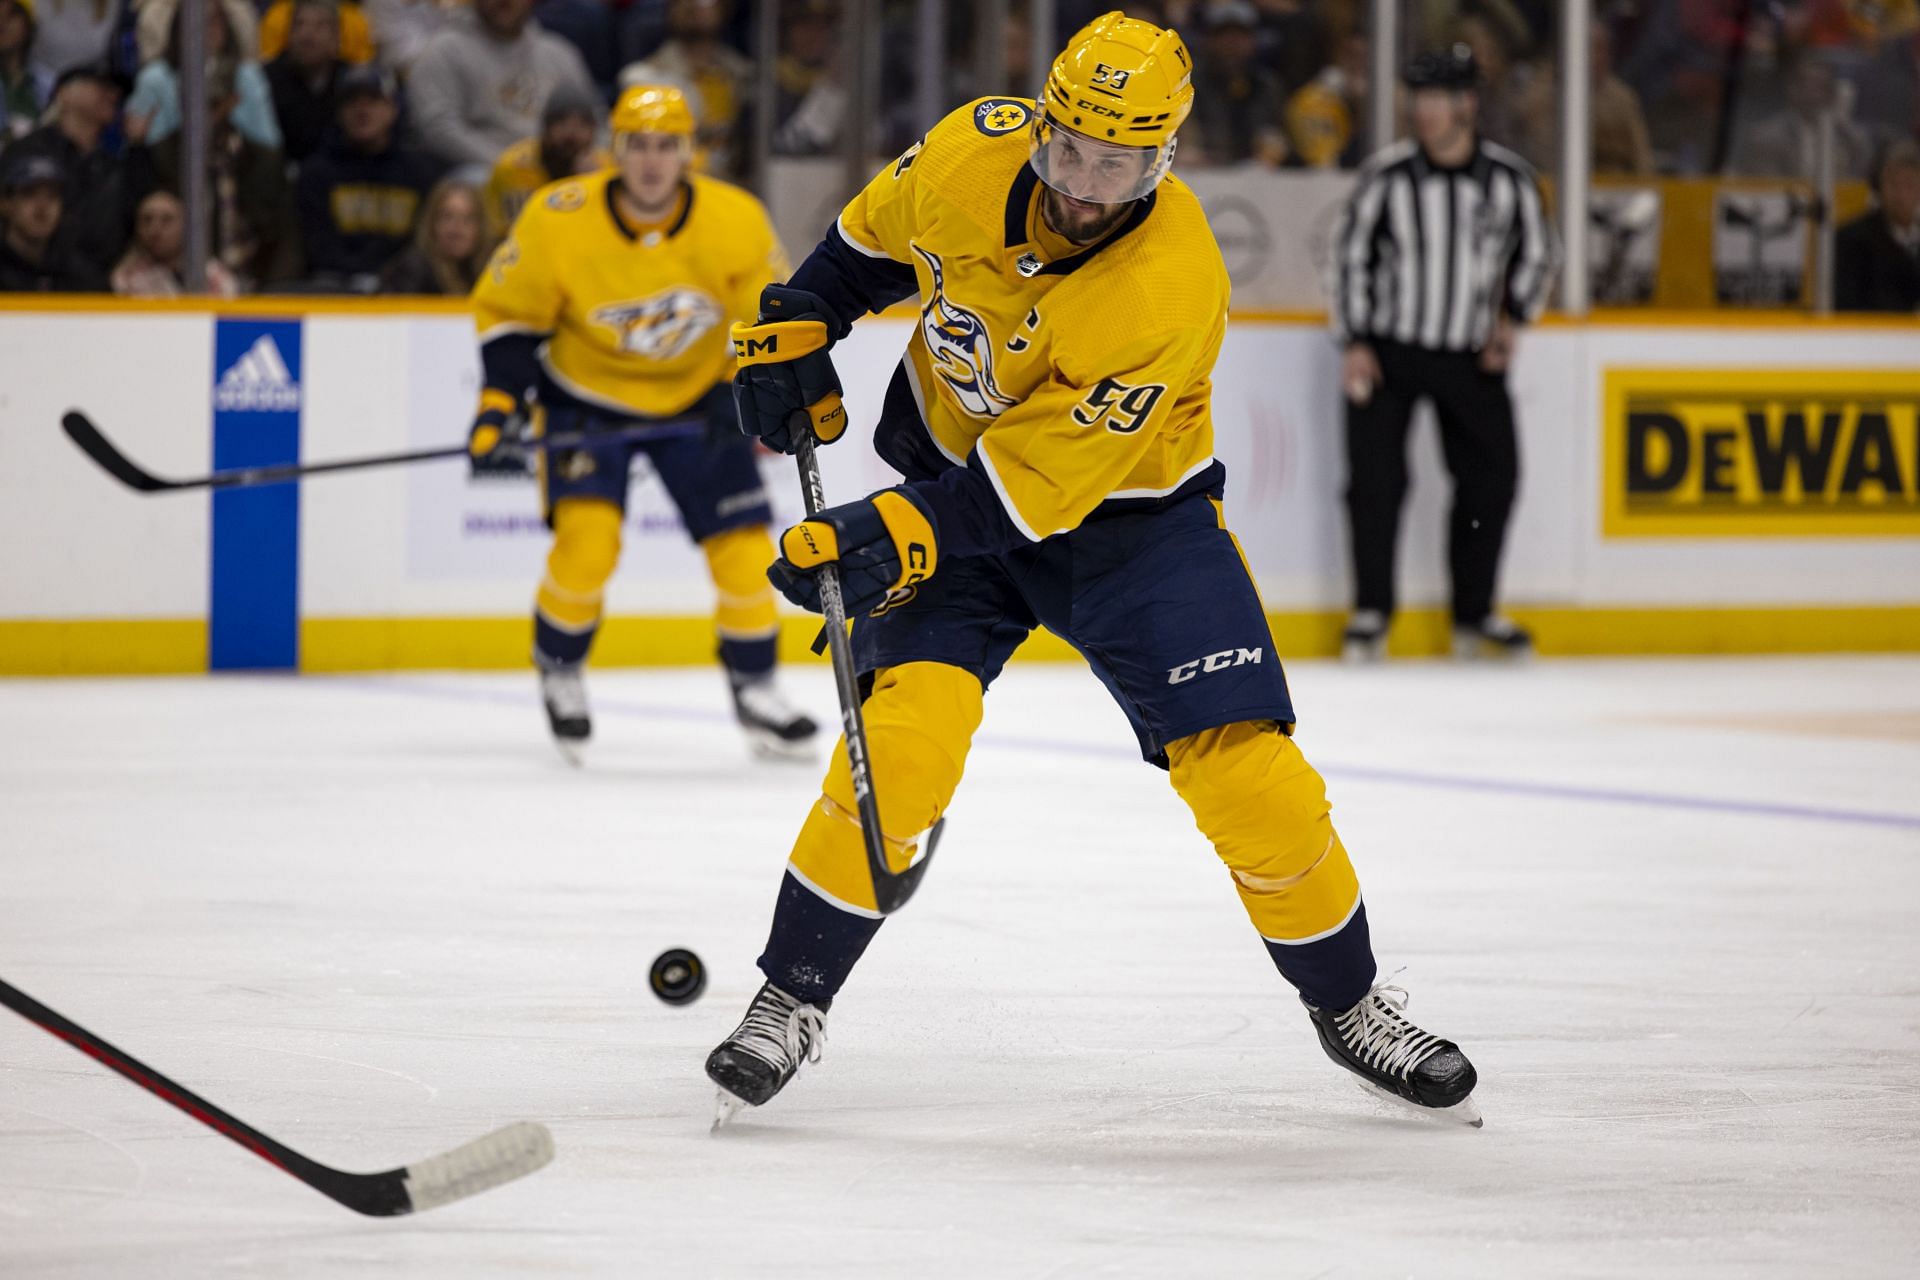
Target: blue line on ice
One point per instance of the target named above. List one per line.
(1362, 773)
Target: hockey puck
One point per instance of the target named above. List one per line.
(678, 977)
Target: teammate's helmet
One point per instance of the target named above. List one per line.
(1114, 99)
(1452, 69)
(652, 108)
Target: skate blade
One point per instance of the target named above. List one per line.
(767, 746)
(725, 1108)
(1465, 1111)
(571, 751)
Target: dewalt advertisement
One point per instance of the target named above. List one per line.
(1693, 453)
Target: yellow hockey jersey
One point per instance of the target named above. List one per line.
(1079, 376)
(517, 174)
(635, 320)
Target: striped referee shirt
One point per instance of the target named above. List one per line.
(1430, 256)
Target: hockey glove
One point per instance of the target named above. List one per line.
(785, 383)
(495, 447)
(885, 546)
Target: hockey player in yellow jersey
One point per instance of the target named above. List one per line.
(606, 311)
(1052, 424)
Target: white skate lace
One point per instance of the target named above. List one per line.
(565, 692)
(763, 703)
(781, 1030)
(1380, 1035)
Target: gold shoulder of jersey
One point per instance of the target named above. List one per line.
(719, 194)
(569, 194)
(985, 122)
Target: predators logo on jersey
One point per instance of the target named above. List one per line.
(959, 347)
(635, 316)
(663, 326)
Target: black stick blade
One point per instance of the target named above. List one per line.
(87, 437)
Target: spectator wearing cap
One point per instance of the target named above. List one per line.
(102, 187)
(1241, 117)
(358, 197)
(156, 90)
(1876, 257)
(450, 246)
(565, 147)
(32, 259)
(303, 76)
(155, 264)
(24, 87)
(717, 78)
(354, 34)
(479, 86)
(73, 33)
(251, 205)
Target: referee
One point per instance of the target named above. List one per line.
(1442, 250)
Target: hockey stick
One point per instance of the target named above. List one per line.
(501, 1156)
(891, 889)
(95, 445)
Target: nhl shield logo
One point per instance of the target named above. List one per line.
(998, 116)
(663, 326)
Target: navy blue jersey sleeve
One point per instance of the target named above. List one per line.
(851, 281)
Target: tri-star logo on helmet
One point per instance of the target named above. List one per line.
(998, 116)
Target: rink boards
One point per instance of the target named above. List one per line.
(1743, 486)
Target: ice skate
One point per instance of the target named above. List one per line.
(775, 728)
(1395, 1059)
(756, 1061)
(1494, 639)
(1365, 639)
(565, 694)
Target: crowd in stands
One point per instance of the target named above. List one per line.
(366, 145)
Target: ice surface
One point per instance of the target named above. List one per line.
(1672, 910)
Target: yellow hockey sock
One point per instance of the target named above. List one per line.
(920, 722)
(1265, 809)
(586, 547)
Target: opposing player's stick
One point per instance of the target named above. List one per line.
(501, 1156)
(891, 889)
(95, 445)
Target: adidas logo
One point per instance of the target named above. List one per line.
(258, 381)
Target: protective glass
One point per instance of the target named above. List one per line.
(1098, 172)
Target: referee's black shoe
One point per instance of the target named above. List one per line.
(1493, 638)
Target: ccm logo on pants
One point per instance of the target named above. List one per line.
(1213, 662)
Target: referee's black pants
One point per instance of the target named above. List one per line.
(1477, 439)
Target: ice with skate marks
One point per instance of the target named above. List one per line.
(1464, 1112)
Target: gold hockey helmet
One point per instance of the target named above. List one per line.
(1114, 99)
(652, 108)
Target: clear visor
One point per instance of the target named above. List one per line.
(1097, 172)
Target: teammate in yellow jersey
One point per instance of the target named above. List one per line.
(1051, 421)
(606, 310)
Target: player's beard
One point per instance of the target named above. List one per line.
(1080, 221)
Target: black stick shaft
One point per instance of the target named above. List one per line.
(94, 443)
(847, 682)
(153, 1082)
